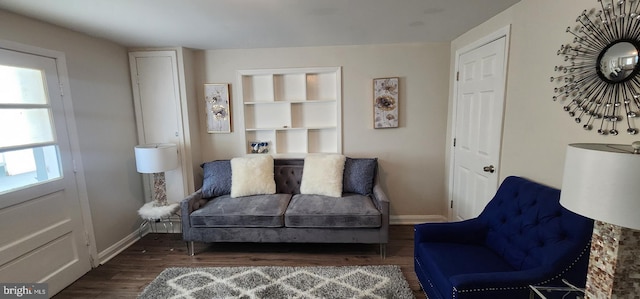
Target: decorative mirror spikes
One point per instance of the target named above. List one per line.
(599, 78)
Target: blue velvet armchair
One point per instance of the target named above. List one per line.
(523, 237)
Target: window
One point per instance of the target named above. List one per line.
(28, 150)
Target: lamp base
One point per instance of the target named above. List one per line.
(614, 268)
(159, 189)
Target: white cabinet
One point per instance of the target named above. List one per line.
(165, 105)
(297, 111)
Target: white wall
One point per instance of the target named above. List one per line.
(536, 129)
(411, 157)
(103, 106)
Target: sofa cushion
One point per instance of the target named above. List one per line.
(252, 175)
(248, 211)
(359, 175)
(217, 178)
(322, 174)
(446, 262)
(349, 211)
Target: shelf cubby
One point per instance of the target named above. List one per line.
(313, 114)
(292, 141)
(258, 88)
(270, 115)
(322, 140)
(322, 86)
(290, 87)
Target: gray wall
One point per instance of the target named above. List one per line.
(103, 107)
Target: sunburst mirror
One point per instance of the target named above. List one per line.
(597, 82)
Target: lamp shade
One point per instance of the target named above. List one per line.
(602, 182)
(154, 158)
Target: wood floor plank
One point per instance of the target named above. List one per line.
(127, 274)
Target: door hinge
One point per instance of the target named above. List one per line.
(457, 76)
(61, 90)
(451, 204)
(454, 142)
(86, 239)
(75, 167)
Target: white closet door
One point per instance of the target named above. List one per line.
(156, 93)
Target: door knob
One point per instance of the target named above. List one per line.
(489, 169)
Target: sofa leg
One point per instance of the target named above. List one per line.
(383, 251)
(191, 248)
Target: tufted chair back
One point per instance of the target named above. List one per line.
(288, 175)
(529, 228)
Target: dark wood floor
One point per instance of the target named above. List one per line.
(127, 274)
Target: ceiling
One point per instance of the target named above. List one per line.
(232, 24)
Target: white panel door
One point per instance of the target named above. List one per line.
(42, 237)
(478, 128)
(158, 110)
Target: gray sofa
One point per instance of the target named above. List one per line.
(361, 215)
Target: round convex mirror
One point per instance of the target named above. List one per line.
(598, 81)
(617, 63)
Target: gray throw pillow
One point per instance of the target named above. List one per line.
(359, 175)
(217, 178)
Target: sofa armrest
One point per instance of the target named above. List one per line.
(471, 231)
(380, 199)
(191, 202)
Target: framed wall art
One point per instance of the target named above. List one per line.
(218, 105)
(385, 103)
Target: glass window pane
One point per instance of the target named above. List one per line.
(25, 126)
(27, 167)
(21, 86)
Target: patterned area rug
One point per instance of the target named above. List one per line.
(280, 282)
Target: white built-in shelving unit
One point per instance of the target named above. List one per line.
(296, 110)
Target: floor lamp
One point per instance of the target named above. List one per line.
(602, 182)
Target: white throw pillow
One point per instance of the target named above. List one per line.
(252, 175)
(322, 174)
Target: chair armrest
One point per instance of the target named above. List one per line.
(471, 231)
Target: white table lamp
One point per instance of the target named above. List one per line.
(156, 159)
(602, 182)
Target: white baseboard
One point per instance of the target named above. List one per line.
(113, 250)
(415, 219)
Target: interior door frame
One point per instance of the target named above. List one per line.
(72, 132)
(500, 33)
